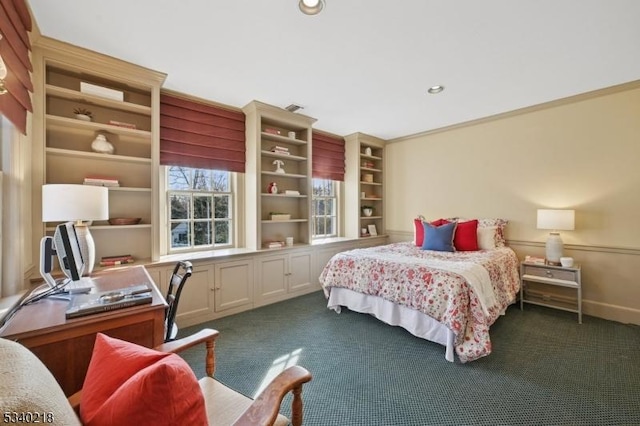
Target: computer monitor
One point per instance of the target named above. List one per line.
(65, 246)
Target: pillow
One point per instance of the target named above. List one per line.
(500, 224)
(128, 384)
(439, 238)
(487, 237)
(466, 236)
(418, 233)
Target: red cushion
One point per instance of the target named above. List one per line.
(128, 384)
(466, 236)
(419, 229)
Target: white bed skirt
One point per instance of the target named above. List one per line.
(413, 321)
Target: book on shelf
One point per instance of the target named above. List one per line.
(274, 244)
(535, 259)
(116, 260)
(95, 303)
(280, 150)
(101, 181)
(122, 124)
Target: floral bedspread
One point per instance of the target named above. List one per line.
(400, 273)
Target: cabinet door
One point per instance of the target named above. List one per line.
(233, 284)
(300, 271)
(272, 281)
(197, 299)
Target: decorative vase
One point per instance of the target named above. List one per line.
(367, 151)
(367, 211)
(83, 117)
(101, 144)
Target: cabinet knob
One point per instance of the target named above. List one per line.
(549, 273)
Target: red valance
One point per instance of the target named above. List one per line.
(197, 134)
(327, 156)
(15, 24)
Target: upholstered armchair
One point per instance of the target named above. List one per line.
(27, 388)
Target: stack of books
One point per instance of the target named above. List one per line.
(280, 150)
(101, 181)
(116, 260)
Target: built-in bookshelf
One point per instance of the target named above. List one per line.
(364, 186)
(279, 156)
(85, 95)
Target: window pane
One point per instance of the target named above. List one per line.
(222, 207)
(180, 235)
(202, 207)
(330, 206)
(223, 235)
(330, 229)
(221, 181)
(179, 178)
(202, 179)
(180, 206)
(202, 233)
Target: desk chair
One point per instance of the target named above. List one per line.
(181, 273)
(27, 386)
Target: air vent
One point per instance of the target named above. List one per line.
(294, 107)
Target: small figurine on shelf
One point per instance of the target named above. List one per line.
(102, 145)
(367, 151)
(273, 188)
(279, 164)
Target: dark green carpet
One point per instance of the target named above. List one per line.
(545, 368)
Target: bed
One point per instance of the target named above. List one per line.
(451, 298)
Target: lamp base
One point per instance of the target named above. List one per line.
(87, 247)
(553, 249)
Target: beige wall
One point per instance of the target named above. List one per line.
(582, 153)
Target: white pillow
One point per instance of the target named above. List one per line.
(487, 237)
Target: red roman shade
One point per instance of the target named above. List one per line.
(327, 156)
(201, 135)
(15, 24)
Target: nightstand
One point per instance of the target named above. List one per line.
(555, 276)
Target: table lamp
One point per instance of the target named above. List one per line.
(78, 203)
(556, 220)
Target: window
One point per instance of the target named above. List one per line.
(200, 204)
(325, 208)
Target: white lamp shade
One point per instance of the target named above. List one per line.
(74, 202)
(557, 220)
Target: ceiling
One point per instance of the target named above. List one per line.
(365, 66)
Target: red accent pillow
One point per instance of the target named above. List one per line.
(419, 229)
(128, 384)
(466, 236)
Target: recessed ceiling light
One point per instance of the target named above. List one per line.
(435, 89)
(311, 7)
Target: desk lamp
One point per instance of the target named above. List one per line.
(556, 220)
(78, 203)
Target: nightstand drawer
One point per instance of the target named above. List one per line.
(550, 273)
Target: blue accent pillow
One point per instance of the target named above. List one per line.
(439, 238)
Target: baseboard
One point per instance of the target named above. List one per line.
(611, 312)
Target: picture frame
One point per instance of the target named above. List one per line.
(372, 229)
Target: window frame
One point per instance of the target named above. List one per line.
(336, 210)
(231, 219)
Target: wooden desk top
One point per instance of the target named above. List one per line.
(48, 315)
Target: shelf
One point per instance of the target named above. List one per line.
(74, 95)
(370, 217)
(289, 175)
(127, 189)
(97, 156)
(117, 227)
(280, 138)
(283, 195)
(369, 169)
(283, 156)
(369, 183)
(268, 221)
(370, 157)
(55, 122)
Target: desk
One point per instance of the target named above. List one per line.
(65, 346)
